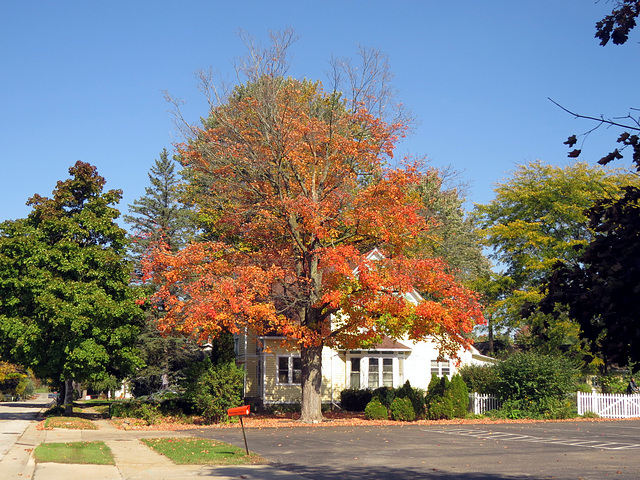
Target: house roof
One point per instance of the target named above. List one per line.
(389, 344)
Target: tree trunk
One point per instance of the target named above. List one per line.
(311, 408)
(68, 397)
(490, 326)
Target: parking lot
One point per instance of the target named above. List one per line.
(555, 450)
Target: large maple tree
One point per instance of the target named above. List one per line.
(299, 184)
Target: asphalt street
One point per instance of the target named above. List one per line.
(558, 450)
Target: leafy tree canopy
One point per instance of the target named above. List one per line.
(299, 182)
(536, 220)
(66, 309)
(600, 287)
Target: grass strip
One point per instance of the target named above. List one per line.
(91, 453)
(74, 423)
(201, 451)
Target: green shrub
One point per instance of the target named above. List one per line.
(402, 410)
(534, 377)
(375, 410)
(386, 395)
(533, 385)
(459, 396)
(440, 408)
(584, 388)
(480, 378)
(438, 400)
(216, 389)
(353, 400)
(415, 396)
(149, 412)
(145, 410)
(590, 414)
(558, 408)
(511, 409)
(612, 383)
(135, 409)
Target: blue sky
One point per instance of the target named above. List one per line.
(83, 80)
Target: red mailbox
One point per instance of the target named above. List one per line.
(244, 410)
(240, 411)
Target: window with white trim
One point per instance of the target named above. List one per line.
(371, 372)
(441, 368)
(355, 373)
(289, 370)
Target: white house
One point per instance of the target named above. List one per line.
(273, 373)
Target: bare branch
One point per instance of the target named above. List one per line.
(182, 126)
(367, 83)
(601, 120)
(272, 61)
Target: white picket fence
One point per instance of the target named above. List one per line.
(480, 403)
(608, 405)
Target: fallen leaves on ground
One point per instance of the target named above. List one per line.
(331, 419)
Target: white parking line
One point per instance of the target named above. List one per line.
(573, 442)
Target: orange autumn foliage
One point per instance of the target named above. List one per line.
(301, 191)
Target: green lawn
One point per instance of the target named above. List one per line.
(93, 453)
(198, 451)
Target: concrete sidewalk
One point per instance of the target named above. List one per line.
(134, 460)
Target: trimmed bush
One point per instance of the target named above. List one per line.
(375, 410)
(415, 396)
(353, 400)
(459, 397)
(440, 408)
(402, 410)
(446, 399)
(386, 395)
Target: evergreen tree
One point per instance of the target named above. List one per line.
(160, 215)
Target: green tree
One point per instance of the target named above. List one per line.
(537, 219)
(452, 236)
(160, 215)
(602, 287)
(66, 309)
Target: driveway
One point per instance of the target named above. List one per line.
(15, 417)
(565, 450)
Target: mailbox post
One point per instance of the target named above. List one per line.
(240, 412)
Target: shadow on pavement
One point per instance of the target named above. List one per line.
(32, 405)
(387, 473)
